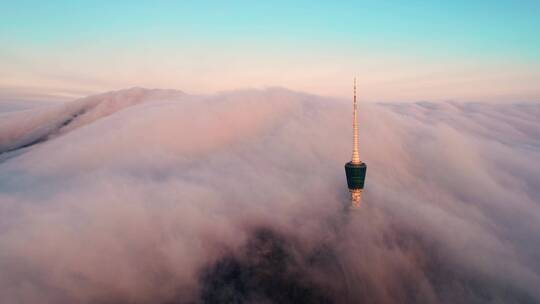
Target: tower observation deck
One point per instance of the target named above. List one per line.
(355, 170)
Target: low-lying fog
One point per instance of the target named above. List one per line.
(156, 196)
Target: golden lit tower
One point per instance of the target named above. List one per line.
(355, 170)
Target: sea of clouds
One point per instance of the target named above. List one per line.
(157, 196)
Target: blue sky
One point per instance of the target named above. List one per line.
(400, 50)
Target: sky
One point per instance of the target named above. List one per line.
(399, 50)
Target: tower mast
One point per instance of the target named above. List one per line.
(355, 155)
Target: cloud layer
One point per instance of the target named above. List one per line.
(152, 196)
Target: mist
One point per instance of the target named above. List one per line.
(159, 196)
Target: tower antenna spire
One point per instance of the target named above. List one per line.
(355, 90)
(355, 155)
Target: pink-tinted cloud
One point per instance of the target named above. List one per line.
(145, 196)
